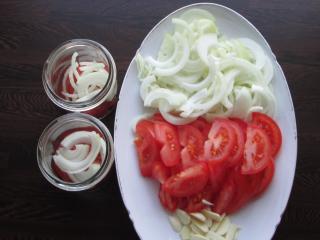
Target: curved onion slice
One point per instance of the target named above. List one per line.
(88, 173)
(69, 165)
(259, 55)
(168, 62)
(173, 98)
(184, 58)
(165, 112)
(204, 44)
(92, 77)
(78, 154)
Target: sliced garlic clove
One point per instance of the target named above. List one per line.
(197, 237)
(206, 202)
(175, 223)
(195, 229)
(214, 236)
(224, 226)
(214, 216)
(202, 226)
(208, 222)
(198, 216)
(183, 217)
(231, 232)
(185, 233)
(217, 224)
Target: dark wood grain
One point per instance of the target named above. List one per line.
(30, 208)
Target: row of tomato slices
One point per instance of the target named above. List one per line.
(227, 162)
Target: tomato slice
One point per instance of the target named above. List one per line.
(217, 175)
(257, 151)
(202, 125)
(237, 151)
(160, 172)
(241, 123)
(167, 135)
(168, 202)
(271, 128)
(192, 140)
(188, 182)
(144, 123)
(195, 203)
(148, 151)
(250, 186)
(245, 185)
(221, 141)
(265, 178)
(225, 196)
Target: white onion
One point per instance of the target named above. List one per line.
(79, 159)
(200, 72)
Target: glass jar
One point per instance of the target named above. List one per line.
(47, 148)
(57, 65)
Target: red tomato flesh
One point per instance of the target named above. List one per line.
(167, 135)
(257, 151)
(271, 128)
(148, 151)
(221, 141)
(187, 182)
(192, 140)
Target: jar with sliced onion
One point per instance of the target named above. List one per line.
(75, 152)
(80, 76)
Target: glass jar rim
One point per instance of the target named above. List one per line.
(106, 163)
(89, 103)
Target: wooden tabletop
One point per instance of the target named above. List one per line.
(31, 208)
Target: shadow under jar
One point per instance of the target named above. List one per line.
(75, 152)
(80, 75)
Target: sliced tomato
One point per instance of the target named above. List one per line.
(192, 140)
(221, 141)
(217, 174)
(144, 123)
(188, 182)
(167, 135)
(244, 185)
(225, 196)
(237, 151)
(168, 202)
(195, 203)
(202, 125)
(265, 178)
(176, 169)
(160, 172)
(257, 151)
(271, 128)
(250, 186)
(241, 123)
(148, 151)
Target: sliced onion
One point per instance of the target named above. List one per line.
(163, 108)
(72, 167)
(198, 73)
(78, 154)
(257, 51)
(145, 85)
(88, 173)
(173, 98)
(184, 58)
(204, 43)
(168, 62)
